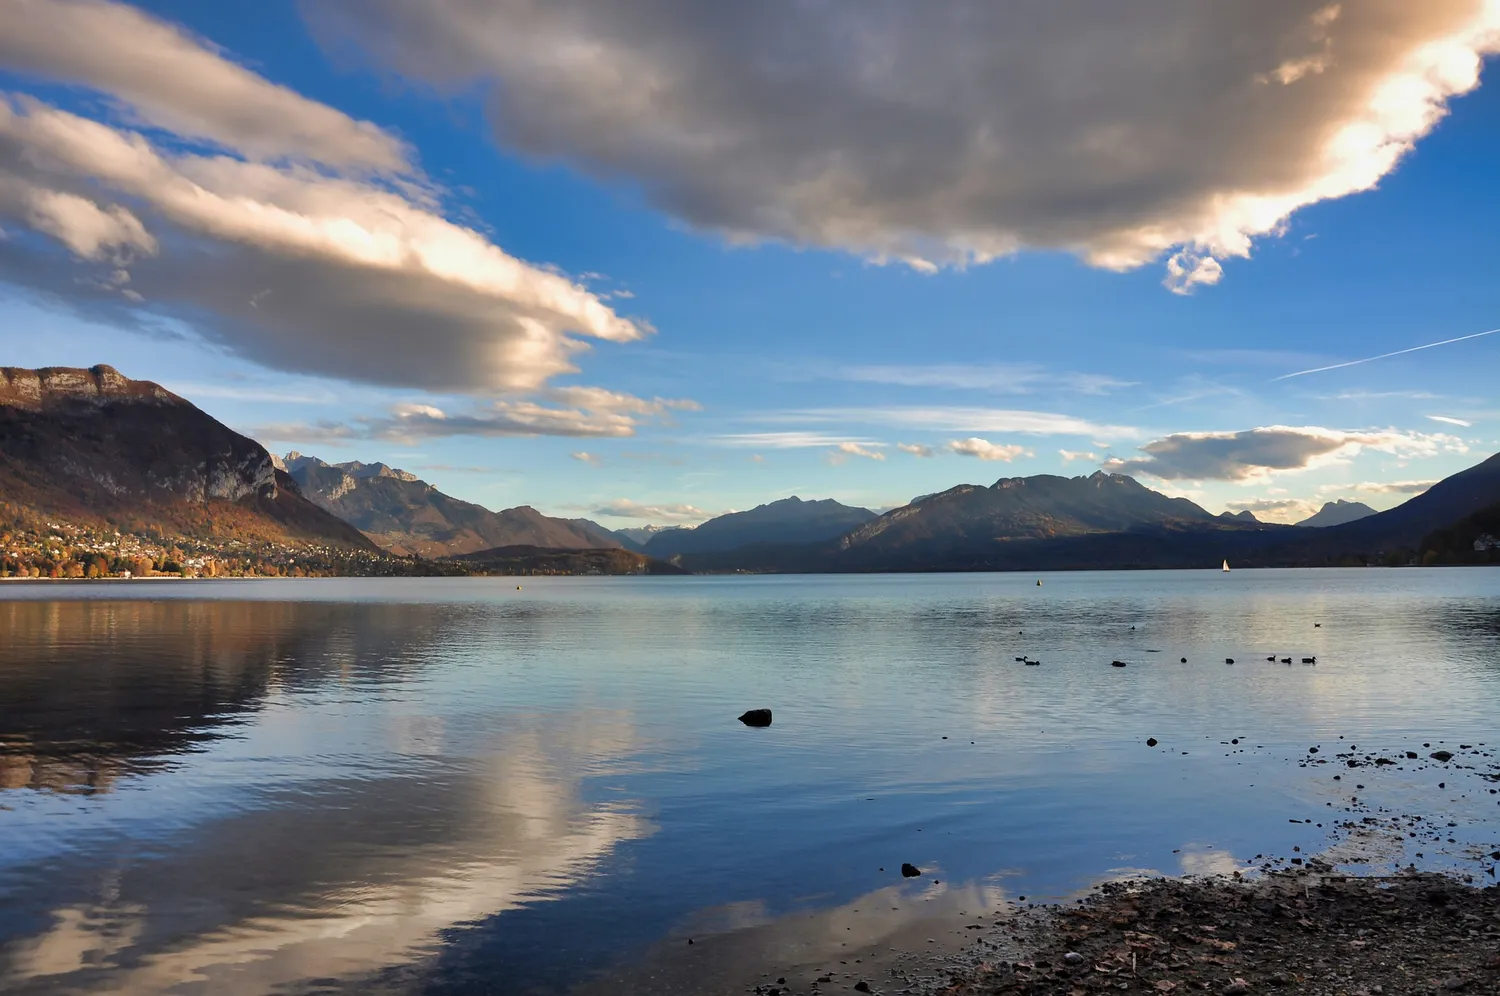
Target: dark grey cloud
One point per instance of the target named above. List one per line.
(1257, 453)
(956, 130)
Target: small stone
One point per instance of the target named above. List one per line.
(909, 870)
(1236, 987)
(1073, 958)
(1441, 755)
(757, 717)
(861, 986)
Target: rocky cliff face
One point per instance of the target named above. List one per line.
(406, 515)
(91, 443)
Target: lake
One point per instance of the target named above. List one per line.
(460, 786)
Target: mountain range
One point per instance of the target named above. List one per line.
(95, 447)
(406, 516)
(92, 447)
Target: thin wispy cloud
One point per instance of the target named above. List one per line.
(955, 419)
(582, 456)
(624, 508)
(784, 440)
(1071, 455)
(861, 450)
(1014, 378)
(1450, 420)
(1385, 356)
(915, 449)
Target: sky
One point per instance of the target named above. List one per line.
(651, 262)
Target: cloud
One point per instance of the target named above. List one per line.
(1284, 510)
(986, 450)
(848, 449)
(915, 449)
(302, 240)
(1254, 454)
(624, 508)
(592, 459)
(783, 440)
(598, 399)
(1384, 487)
(956, 419)
(953, 132)
(1070, 455)
(1017, 378)
(1450, 420)
(604, 414)
(116, 49)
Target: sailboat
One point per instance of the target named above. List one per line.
(1226, 567)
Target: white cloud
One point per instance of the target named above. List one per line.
(1013, 378)
(1450, 420)
(624, 508)
(605, 414)
(915, 449)
(305, 242)
(783, 440)
(598, 399)
(116, 49)
(986, 450)
(1381, 487)
(859, 450)
(956, 419)
(1255, 454)
(592, 459)
(1070, 455)
(1283, 510)
(959, 130)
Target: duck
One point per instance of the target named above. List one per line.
(1229, 660)
(1309, 660)
(1116, 663)
(1286, 660)
(1272, 658)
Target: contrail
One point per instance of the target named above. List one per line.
(1382, 356)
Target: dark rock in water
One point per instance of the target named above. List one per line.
(1116, 663)
(1441, 755)
(1184, 660)
(861, 986)
(1412, 754)
(1151, 741)
(909, 870)
(757, 717)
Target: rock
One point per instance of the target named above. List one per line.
(861, 986)
(1236, 987)
(909, 870)
(1073, 958)
(1151, 741)
(1412, 754)
(1184, 660)
(1229, 660)
(1441, 755)
(757, 717)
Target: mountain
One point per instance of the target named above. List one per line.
(970, 517)
(788, 521)
(1474, 539)
(1242, 516)
(641, 535)
(405, 515)
(95, 447)
(1403, 527)
(1336, 513)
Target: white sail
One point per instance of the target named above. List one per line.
(1226, 567)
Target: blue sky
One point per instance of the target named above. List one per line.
(772, 267)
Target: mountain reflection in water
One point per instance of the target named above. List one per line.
(453, 786)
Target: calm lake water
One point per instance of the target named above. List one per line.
(454, 786)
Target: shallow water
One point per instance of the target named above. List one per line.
(452, 786)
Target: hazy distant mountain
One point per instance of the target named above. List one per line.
(788, 521)
(92, 446)
(1336, 513)
(1244, 515)
(406, 515)
(643, 534)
